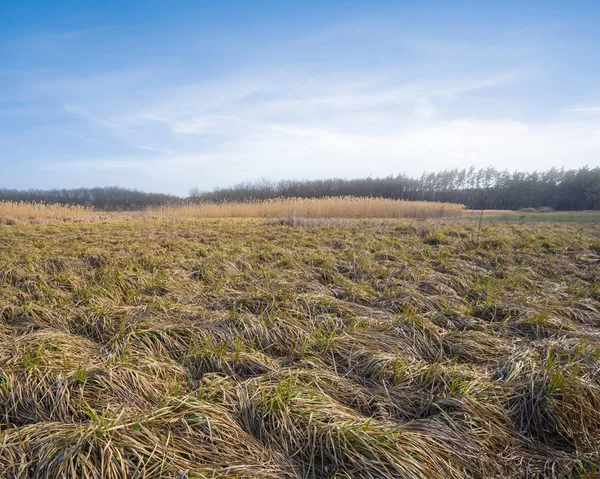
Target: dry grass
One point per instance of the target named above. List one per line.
(303, 349)
(335, 207)
(486, 213)
(11, 212)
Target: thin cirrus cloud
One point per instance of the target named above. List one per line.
(591, 110)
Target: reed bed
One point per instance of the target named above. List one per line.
(334, 207)
(25, 211)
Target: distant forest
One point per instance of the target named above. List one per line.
(577, 189)
(484, 188)
(109, 198)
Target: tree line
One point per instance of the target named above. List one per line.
(109, 198)
(559, 189)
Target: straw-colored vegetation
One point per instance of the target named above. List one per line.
(241, 349)
(11, 212)
(335, 207)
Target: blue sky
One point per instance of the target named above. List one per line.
(164, 96)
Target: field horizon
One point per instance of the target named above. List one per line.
(286, 209)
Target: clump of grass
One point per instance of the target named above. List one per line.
(436, 238)
(327, 439)
(184, 437)
(557, 405)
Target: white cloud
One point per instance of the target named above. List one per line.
(282, 124)
(280, 152)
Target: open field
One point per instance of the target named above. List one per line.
(236, 348)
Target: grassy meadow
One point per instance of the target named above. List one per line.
(252, 348)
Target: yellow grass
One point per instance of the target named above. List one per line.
(334, 207)
(11, 211)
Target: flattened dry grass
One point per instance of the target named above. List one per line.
(328, 349)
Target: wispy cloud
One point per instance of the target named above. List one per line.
(276, 125)
(590, 110)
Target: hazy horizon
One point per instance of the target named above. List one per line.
(165, 99)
